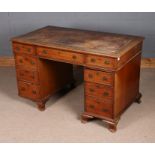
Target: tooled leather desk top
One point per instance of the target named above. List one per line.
(99, 43)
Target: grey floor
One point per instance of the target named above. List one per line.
(20, 121)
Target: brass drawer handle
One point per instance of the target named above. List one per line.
(21, 74)
(92, 106)
(105, 94)
(17, 48)
(32, 62)
(107, 62)
(29, 50)
(74, 56)
(44, 52)
(105, 110)
(90, 75)
(93, 60)
(21, 61)
(91, 90)
(104, 78)
(32, 77)
(97, 102)
(34, 92)
(22, 89)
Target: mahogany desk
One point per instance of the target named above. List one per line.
(111, 63)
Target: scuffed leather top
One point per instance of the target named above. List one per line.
(83, 41)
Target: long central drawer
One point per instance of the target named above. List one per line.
(75, 58)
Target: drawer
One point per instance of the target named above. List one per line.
(100, 107)
(21, 48)
(98, 77)
(75, 58)
(27, 62)
(28, 90)
(100, 61)
(98, 90)
(27, 75)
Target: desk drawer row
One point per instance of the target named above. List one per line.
(66, 56)
(99, 92)
(26, 69)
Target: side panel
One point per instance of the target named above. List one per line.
(53, 76)
(126, 85)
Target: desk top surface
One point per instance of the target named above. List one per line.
(91, 42)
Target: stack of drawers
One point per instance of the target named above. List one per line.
(99, 93)
(26, 69)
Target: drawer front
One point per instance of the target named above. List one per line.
(75, 58)
(26, 75)
(98, 90)
(103, 108)
(98, 77)
(28, 90)
(26, 62)
(21, 48)
(100, 61)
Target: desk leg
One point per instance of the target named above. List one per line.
(41, 105)
(85, 118)
(138, 98)
(112, 126)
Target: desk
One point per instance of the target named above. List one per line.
(111, 64)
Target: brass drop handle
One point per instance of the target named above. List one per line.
(32, 77)
(21, 74)
(74, 56)
(29, 50)
(105, 94)
(90, 75)
(34, 92)
(92, 106)
(104, 78)
(105, 110)
(17, 48)
(22, 89)
(92, 60)
(21, 61)
(107, 62)
(91, 90)
(32, 62)
(44, 51)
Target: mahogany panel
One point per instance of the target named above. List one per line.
(29, 90)
(98, 90)
(22, 48)
(104, 108)
(100, 77)
(127, 85)
(55, 54)
(27, 75)
(26, 62)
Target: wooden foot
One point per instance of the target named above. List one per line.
(86, 118)
(112, 127)
(41, 106)
(138, 98)
(73, 84)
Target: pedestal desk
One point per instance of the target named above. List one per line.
(111, 64)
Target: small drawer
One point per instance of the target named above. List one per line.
(100, 61)
(28, 90)
(55, 54)
(98, 77)
(26, 62)
(98, 90)
(100, 107)
(27, 75)
(21, 48)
